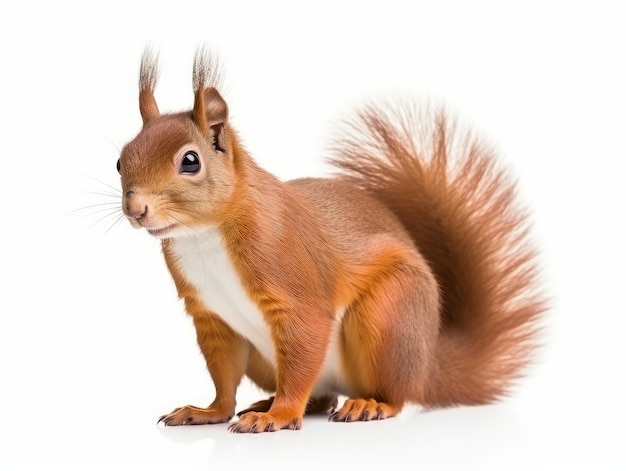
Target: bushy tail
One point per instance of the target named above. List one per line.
(463, 214)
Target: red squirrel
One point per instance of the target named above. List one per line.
(407, 277)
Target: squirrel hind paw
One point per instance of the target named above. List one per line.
(354, 410)
(259, 406)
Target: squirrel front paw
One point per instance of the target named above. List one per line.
(255, 422)
(191, 415)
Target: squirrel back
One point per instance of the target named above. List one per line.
(462, 213)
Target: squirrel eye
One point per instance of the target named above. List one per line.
(119, 166)
(190, 163)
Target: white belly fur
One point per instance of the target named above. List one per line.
(206, 265)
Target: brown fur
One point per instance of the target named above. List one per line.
(462, 214)
(419, 241)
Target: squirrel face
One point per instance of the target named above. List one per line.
(177, 174)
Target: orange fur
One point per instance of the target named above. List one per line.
(462, 214)
(408, 278)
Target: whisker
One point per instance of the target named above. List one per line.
(117, 190)
(96, 207)
(185, 227)
(116, 222)
(117, 196)
(117, 212)
(116, 146)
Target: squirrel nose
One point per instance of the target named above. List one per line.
(136, 207)
(139, 212)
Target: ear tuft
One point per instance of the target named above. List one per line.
(206, 70)
(148, 77)
(209, 109)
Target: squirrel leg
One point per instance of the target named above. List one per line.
(226, 355)
(260, 372)
(388, 336)
(298, 364)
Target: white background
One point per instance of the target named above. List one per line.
(94, 345)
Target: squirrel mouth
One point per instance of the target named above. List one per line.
(160, 232)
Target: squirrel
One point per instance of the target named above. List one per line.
(407, 277)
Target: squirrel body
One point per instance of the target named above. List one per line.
(408, 278)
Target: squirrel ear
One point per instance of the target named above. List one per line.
(209, 110)
(147, 105)
(148, 76)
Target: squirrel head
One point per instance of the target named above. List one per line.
(178, 173)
